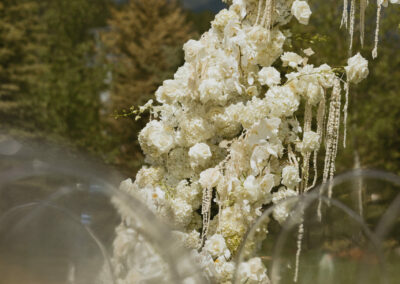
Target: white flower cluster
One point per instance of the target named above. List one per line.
(357, 69)
(226, 133)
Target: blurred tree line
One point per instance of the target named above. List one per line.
(50, 79)
(67, 66)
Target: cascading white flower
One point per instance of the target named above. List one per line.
(199, 154)
(253, 271)
(357, 69)
(269, 76)
(301, 11)
(216, 246)
(226, 134)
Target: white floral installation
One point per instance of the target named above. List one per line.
(225, 136)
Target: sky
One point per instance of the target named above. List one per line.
(202, 5)
(198, 5)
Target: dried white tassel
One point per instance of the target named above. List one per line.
(352, 20)
(298, 252)
(363, 6)
(267, 17)
(259, 11)
(378, 18)
(345, 15)
(267, 3)
(346, 105)
(330, 130)
(206, 212)
(332, 138)
(306, 156)
(335, 142)
(359, 184)
(320, 128)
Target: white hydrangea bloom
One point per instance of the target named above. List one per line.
(253, 272)
(182, 211)
(301, 11)
(211, 89)
(216, 246)
(224, 269)
(193, 49)
(258, 158)
(209, 178)
(314, 93)
(309, 51)
(199, 154)
(252, 187)
(282, 101)
(290, 176)
(223, 18)
(269, 76)
(170, 91)
(156, 139)
(282, 208)
(291, 59)
(311, 141)
(357, 68)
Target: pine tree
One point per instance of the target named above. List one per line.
(144, 46)
(50, 76)
(21, 67)
(76, 78)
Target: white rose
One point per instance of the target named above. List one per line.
(325, 75)
(258, 157)
(282, 101)
(280, 213)
(170, 91)
(216, 246)
(211, 89)
(192, 49)
(291, 59)
(290, 176)
(199, 154)
(239, 6)
(155, 139)
(283, 208)
(252, 91)
(269, 76)
(310, 141)
(209, 178)
(223, 18)
(309, 51)
(267, 183)
(264, 130)
(301, 11)
(224, 269)
(253, 271)
(182, 211)
(314, 93)
(252, 188)
(357, 69)
(383, 2)
(161, 140)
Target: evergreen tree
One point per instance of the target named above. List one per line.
(50, 74)
(76, 77)
(21, 51)
(144, 46)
